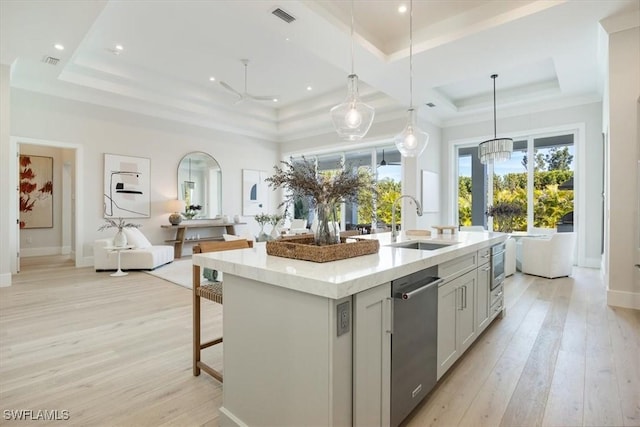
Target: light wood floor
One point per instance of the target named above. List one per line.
(117, 352)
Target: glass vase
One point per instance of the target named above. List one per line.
(326, 232)
(120, 239)
(275, 231)
(262, 236)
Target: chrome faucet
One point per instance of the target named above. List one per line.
(394, 232)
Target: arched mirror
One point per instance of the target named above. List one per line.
(200, 183)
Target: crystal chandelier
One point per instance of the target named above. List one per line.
(496, 149)
(353, 118)
(412, 141)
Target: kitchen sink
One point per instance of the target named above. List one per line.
(423, 246)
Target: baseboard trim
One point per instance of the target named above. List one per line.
(623, 299)
(30, 252)
(85, 262)
(228, 419)
(592, 262)
(5, 280)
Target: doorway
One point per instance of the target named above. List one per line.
(63, 241)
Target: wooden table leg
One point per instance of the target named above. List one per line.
(177, 246)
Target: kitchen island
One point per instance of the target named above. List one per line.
(309, 343)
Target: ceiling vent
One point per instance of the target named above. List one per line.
(50, 60)
(430, 104)
(283, 15)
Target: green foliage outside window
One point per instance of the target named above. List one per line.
(388, 191)
(550, 205)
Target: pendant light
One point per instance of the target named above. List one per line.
(496, 149)
(352, 119)
(412, 141)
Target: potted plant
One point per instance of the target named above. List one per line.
(120, 239)
(262, 219)
(301, 179)
(505, 215)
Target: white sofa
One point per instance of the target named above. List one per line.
(147, 258)
(549, 257)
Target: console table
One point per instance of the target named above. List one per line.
(181, 231)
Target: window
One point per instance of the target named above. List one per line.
(553, 182)
(510, 188)
(541, 189)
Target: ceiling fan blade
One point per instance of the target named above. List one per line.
(261, 98)
(230, 89)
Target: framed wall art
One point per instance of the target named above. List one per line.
(126, 186)
(36, 192)
(254, 192)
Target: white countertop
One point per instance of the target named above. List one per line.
(343, 278)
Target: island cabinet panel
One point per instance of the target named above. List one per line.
(372, 357)
(450, 269)
(482, 295)
(456, 319)
(284, 363)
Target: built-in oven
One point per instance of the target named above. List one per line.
(497, 265)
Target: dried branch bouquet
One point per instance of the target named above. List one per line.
(119, 224)
(301, 179)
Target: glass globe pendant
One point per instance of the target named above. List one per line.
(353, 118)
(412, 141)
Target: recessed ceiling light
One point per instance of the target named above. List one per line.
(309, 88)
(58, 46)
(275, 99)
(212, 79)
(119, 47)
(287, 39)
(402, 8)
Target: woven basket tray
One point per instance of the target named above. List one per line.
(303, 248)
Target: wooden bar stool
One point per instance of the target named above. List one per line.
(211, 292)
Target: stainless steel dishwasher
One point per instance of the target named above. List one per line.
(414, 341)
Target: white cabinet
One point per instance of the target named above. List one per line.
(482, 292)
(456, 319)
(372, 320)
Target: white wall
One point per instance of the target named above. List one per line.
(102, 130)
(589, 155)
(622, 247)
(7, 229)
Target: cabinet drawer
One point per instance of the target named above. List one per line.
(496, 308)
(484, 255)
(458, 266)
(496, 295)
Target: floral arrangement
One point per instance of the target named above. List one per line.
(301, 179)
(120, 223)
(191, 211)
(275, 219)
(263, 218)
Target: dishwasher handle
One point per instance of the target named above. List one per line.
(408, 295)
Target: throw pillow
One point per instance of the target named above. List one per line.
(136, 238)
